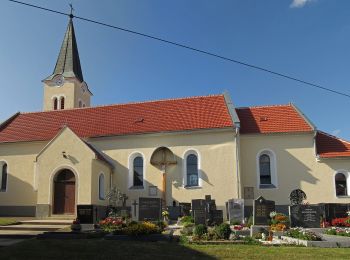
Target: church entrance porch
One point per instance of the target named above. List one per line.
(64, 192)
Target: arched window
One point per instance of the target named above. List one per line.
(192, 170)
(101, 187)
(265, 169)
(3, 179)
(341, 188)
(138, 172)
(62, 102)
(55, 103)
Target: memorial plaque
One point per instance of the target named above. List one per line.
(217, 217)
(174, 212)
(199, 216)
(235, 210)
(86, 214)
(185, 209)
(248, 193)
(307, 216)
(261, 211)
(150, 209)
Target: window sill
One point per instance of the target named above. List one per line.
(192, 187)
(137, 188)
(343, 197)
(267, 186)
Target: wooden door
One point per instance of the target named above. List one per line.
(69, 198)
(64, 193)
(59, 198)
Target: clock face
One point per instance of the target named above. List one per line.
(59, 80)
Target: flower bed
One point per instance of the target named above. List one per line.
(303, 234)
(341, 222)
(338, 231)
(121, 226)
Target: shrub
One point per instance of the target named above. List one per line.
(250, 221)
(162, 225)
(143, 228)
(187, 219)
(199, 230)
(223, 231)
(235, 222)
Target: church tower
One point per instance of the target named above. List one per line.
(65, 88)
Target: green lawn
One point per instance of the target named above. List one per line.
(102, 249)
(7, 221)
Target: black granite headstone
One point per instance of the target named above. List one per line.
(217, 217)
(86, 214)
(150, 209)
(185, 209)
(307, 216)
(199, 216)
(262, 209)
(174, 212)
(335, 210)
(198, 204)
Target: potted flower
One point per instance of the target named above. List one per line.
(75, 226)
(165, 215)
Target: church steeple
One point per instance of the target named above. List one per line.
(68, 62)
(65, 87)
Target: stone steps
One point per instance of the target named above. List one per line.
(26, 227)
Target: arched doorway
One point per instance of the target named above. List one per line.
(64, 192)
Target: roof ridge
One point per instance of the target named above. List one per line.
(124, 104)
(333, 136)
(266, 106)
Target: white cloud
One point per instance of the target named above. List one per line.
(300, 3)
(336, 132)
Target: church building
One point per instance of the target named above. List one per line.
(72, 154)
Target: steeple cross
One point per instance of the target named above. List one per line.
(71, 11)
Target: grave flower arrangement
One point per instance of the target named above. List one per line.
(304, 234)
(341, 222)
(345, 232)
(113, 224)
(279, 221)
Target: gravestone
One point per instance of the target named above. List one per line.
(261, 211)
(205, 212)
(217, 217)
(335, 210)
(174, 212)
(199, 216)
(86, 214)
(235, 210)
(150, 209)
(185, 209)
(307, 216)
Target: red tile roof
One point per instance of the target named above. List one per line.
(272, 119)
(329, 146)
(146, 117)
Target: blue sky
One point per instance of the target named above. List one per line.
(306, 39)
